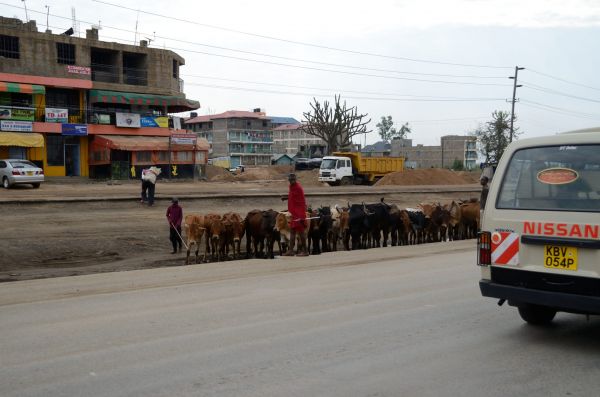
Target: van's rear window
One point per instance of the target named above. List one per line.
(561, 178)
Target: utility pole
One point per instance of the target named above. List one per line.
(512, 112)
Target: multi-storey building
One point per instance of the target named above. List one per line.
(243, 138)
(452, 149)
(291, 139)
(81, 106)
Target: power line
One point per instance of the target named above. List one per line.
(554, 92)
(281, 57)
(564, 80)
(300, 42)
(348, 97)
(568, 112)
(332, 89)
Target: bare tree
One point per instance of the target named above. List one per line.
(336, 124)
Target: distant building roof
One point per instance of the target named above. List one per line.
(380, 146)
(276, 157)
(230, 114)
(287, 127)
(284, 120)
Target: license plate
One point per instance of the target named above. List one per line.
(29, 172)
(560, 257)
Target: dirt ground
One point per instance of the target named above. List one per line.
(102, 227)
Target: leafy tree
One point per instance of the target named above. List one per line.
(404, 130)
(335, 124)
(494, 136)
(387, 132)
(386, 129)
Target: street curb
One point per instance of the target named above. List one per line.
(409, 190)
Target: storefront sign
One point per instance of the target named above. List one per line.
(75, 129)
(151, 121)
(5, 113)
(18, 126)
(22, 114)
(57, 115)
(79, 70)
(184, 139)
(131, 120)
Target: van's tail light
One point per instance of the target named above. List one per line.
(15, 172)
(41, 172)
(484, 249)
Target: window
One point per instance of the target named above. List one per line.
(175, 68)
(563, 178)
(143, 157)
(182, 156)
(65, 53)
(55, 150)
(163, 157)
(9, 47)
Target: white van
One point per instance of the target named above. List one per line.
(539, 245)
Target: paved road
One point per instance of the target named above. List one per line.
(402, 321)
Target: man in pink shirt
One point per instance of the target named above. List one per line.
(174, 217)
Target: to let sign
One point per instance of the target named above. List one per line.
(57, 115)
(79, 70)
(183, 139)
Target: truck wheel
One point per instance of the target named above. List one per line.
(346, 181)
(537, 315)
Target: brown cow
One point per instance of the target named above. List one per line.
(282, 225)
(260, 231)
(215, 232)
(345, 228)
(454, 227)
(194, 230)
(470, 218)
(234, 232)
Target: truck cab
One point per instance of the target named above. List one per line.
(336, 170)
(539, 245)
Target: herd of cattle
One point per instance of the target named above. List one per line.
(357, 226)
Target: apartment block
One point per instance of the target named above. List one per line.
(103, 108)
(291, 139)
(243, 137)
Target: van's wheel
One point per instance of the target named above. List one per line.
(346, 181)
(5, 183)
(537, 315)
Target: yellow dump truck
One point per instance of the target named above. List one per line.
(351, 168)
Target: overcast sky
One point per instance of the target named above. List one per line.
(441, 65)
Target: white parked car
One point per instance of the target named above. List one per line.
(18, 171)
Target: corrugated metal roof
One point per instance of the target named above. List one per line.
(230, 114)
(284, 120)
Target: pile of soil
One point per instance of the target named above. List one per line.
(273, 173)
(428, 176)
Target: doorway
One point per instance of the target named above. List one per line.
(72, 164)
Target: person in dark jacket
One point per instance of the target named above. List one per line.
(484, 191)
(174, 217)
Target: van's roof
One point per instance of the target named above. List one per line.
(585, 136)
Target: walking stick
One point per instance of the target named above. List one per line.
(174, 228)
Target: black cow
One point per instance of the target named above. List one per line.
(260, 232)
(379, 222)
(359, 226)
(419, 223)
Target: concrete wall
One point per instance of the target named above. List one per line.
(38, 57)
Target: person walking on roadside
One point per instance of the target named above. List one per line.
(298, 224)
(148, 184)
(174, 217)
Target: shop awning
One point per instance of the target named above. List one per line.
(22, 88)
(174, 103)
(140, 143)
(25, 139)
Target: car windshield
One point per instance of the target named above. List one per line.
(22, 164)
(560, 178)
(328, 164)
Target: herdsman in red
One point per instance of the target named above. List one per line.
(298, 224)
